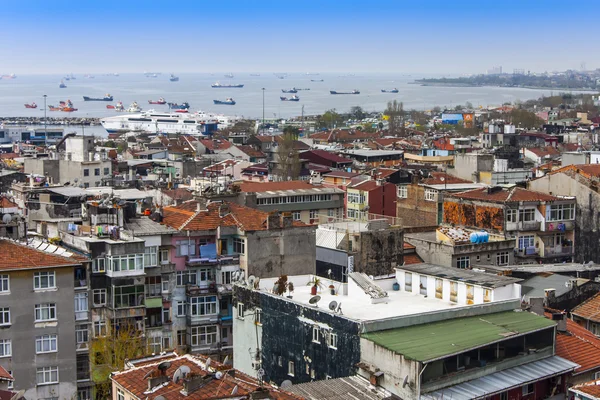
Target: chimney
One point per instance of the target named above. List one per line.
(154, 381)
(562, 322)
(537, 305)
(287, 220)
(273, 221)
(201, 205)
(550, 296)
(194, 383)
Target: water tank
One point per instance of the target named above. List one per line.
(479, 237)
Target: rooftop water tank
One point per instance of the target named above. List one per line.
(479, 237)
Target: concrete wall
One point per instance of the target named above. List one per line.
(23, 332)
(379, 252)
(466, 166)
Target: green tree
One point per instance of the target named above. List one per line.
(525, 119)
(330, 119)
(357, 113)
(108, 354)
(288, 158)
(395, 117)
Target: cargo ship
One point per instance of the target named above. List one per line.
(159, 101)
(293, 90)
(227, 85)
(228, 102)
(394, 90)
(293, 98)
(183, 106)
(32, 105)
(174, 78)
(352, 92)
(107, 97)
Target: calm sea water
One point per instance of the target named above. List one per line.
(195, 89)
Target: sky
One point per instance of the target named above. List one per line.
(395, 36)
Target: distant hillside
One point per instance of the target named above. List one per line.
(566, 81)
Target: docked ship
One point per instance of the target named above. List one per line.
(32, 105)
(226, 85)
(230, 75)
(352, 92)
(174, 78)
(62, 85)
(228, 102)
(107, 97)
(159, 101)
(183, 106)
(151, 122)
(316, 80)
(394, 90)
(293, 90)
(293, 98)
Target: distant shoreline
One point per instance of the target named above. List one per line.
(470, 85)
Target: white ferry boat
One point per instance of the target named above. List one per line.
(152, 122)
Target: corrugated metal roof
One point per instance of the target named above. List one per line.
(68, 191)
(536, 286)
(486, 279)
(504, 380)
(428, 342)
(352, 387)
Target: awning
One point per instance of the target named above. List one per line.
(504, 380)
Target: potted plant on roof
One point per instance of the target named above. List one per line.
(290, 287)
(316, 283)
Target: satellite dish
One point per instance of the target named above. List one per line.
(314, 300)
(251, 280)
(234, 391)
(286, 384)
(339, 308)
(207, 364)
(226, 360)
(164, 366)
(218, 375)
(185, 371)
(20, 394)
(6, 218)
(333, 305)
(177, 376)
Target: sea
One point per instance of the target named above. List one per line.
(251, 100)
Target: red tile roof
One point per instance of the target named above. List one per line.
(386, 142)
(366, 186)
(412, 259)
(5, 156)
(512, 195)
(258, 187)
(590, 388)
(251, 151)
(439, 178)
(265, 138)
(443, 144)
(544, 151)
(17, 256)
(341, 174)
(216, 144)
(585, 170)
(382, 173)
(4, 375)
(134, 380)
(580, 346)
(178, 194)
(6, 203)
(589, 309)
(329, 156)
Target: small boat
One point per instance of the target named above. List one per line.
(107, 97)
(182, 111)
(110, 106)
(230, 75)
(72, 77)
(229, 102)
(293, 90)
(119, 106)
(293, 98)
(394, 90)
(159, 101)
(316, 80)
(220, 85)
(62, 85)
(183, 106)
(32, 105)
(88, 76)
(174, 78)
(9, 76)
(68, 109)
(134, 107)
(53, 108)
(352, 92)
(298, 89)
(66, 78)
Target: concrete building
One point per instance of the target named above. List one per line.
(452, 247)
(586, 314)
(37, 136)
(580, 182)
(375, 158)
(376, 197)
(541, 225)
(44, 318)
(482, 168)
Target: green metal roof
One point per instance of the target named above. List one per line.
(436, 340)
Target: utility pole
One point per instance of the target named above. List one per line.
(45, 125)
(303, 120)
(263, 119)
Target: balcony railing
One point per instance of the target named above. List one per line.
(529, 225)
(219, 260)
(558, 251)
(194, 290)
(528, 252)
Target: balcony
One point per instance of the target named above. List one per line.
(523, 226)
(225, 316)
(527, 252)
(233, 259)
(558, 251)
(205, 289)
(167, 268)
(560, 226)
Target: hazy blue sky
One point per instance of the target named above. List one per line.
(416, 36)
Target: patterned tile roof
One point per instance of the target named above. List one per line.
(580, 346)
(4, 375)
(589, 309)
(135, 381)
(439, 178)
(585, 170)
(511, 195)
(16, 256)
(258, 187)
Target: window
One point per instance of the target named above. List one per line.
(430, 194)
(239, 246)
(5, 348)
(154, 344)
(511, 215)
(296, 215)
(526, 241)
(502, 258)
(128, 262)
(106, 171)
(408, 281)
(205, 275)
(153, 286)
(258, 316)
(100, 328)
(224, 333)
(527, 214)
(96, 171)
(470, 294)
(128, 296)
(423, 285)
(504, 396)
(181, 338)
(47, 375)
(402, 191)
(315, 334)
(81, 334)
(46, 344)
(240, 309)
(44, 280)
(181, 309)
(81, 305)
(528, 389)
(356, 198)
(487, 295)
(313, 214)
(560, 212)
(86, 172)
(11, 384)
(99, 297)
(164, 256)
(120, 395)
(151, 256)
(45, 312)
(332, 340)
(463, 262)
(165, 285)
(351, 213)
(4, 284)
(290, 368)
(226, 277)
(204, 335)
(186, 248)
(331, 212)
(187, 278)
(83, 394)
(203, 305)
(98, 265)
(454, 291)
(439, 288)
